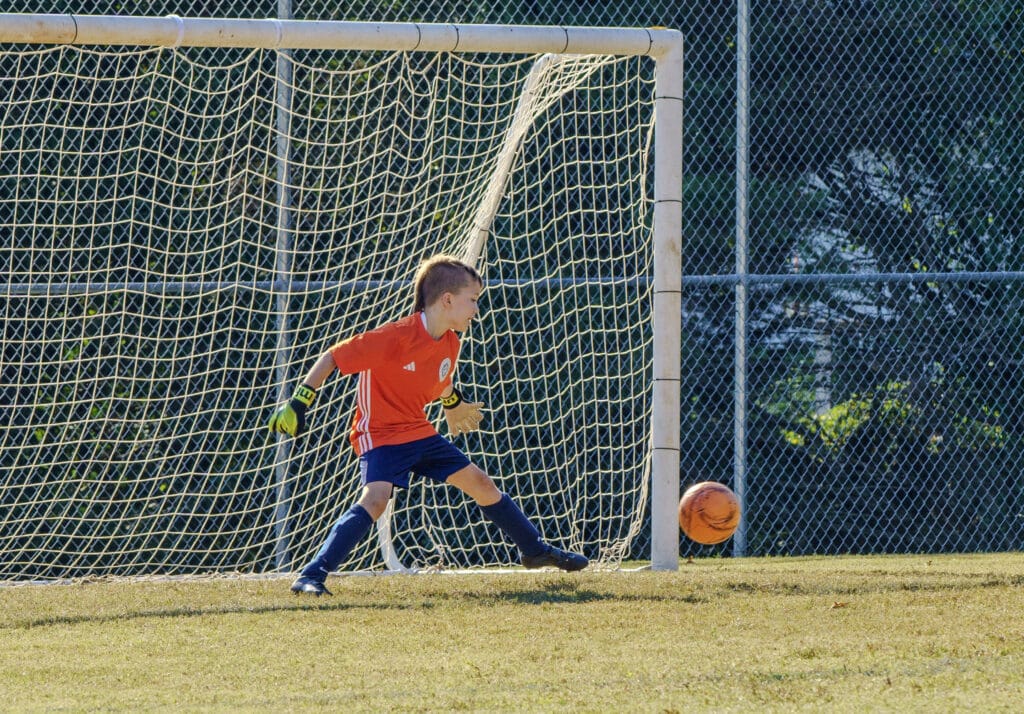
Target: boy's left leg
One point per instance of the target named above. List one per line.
(501, 510)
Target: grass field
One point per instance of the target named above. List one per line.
(892, 633)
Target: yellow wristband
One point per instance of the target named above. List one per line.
(304, 395)
(452, 400)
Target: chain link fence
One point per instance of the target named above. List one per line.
(881, 345)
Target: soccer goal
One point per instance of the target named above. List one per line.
(194, 209)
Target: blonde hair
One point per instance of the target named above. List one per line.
(438, 275)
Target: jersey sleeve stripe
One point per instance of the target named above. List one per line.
(363, 399)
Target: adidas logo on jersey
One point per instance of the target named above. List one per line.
(411, 367)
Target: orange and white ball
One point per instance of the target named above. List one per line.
(709, 512)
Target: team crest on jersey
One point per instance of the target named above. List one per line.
(446, 367)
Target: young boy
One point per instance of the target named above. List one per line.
(403, 366)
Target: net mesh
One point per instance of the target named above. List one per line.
(170, 278)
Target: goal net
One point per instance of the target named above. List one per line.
(186, 229)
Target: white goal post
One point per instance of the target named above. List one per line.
(196, 208)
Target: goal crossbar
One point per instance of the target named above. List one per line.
(174, 31)
(662, 45)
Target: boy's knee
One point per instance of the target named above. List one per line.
(375, 497)
(478, 475)
(475, 483)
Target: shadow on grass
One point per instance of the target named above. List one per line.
(566, 591)
(555, 593)
(571, 592)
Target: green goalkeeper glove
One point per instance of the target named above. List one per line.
(290, 418)
(462, 416)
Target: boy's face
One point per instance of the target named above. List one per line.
(462, 306)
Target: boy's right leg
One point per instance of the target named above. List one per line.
(346, 533)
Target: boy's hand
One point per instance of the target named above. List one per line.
(462, 416)
(290, 418)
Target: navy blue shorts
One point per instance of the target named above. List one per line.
(435, 458)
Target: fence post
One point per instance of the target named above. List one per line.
(739, 543)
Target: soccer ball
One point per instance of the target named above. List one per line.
(709, 512)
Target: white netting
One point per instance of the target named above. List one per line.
(163, 288)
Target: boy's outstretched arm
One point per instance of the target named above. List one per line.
(290, 417)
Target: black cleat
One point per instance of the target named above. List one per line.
(309, 585)
(558, 558)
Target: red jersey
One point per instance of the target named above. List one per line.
(401, 369)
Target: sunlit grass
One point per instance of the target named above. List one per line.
(917, 633)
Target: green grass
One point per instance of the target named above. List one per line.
(893, 633)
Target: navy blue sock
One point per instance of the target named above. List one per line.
(513, 522)
(346, 533)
